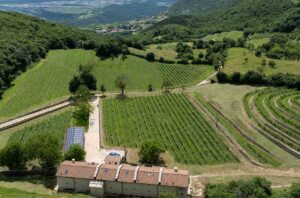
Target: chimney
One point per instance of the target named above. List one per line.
(93, 163)
(73, 161)
(175, 169)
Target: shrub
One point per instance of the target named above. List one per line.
(222, 77)
(150, 56)
(75, 152)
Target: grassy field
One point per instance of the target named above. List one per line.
(170, 120)
(270, 110)
(243, 60)
(229, 100)
(166, 50)
(55, 123)
(234, 35)
(33, 187)
(48, 81)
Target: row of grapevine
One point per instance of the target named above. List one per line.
(257, 151)
(271, 111)
(56, 125)
(170, 120)
(184, 74)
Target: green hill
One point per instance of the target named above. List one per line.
(199, 6)
(246, 15)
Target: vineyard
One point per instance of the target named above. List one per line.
(258, 42)
(48, 81)
(276, 114)
(172, 121)
(56, 125)
(184, 74)
(257, 151)
(234, 35)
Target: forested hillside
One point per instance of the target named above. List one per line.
(200, 6)
(247, 15)
(24, 40)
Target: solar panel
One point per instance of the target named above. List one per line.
(74, 135)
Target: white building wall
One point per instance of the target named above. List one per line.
(112, 187)
(82, 185)
(144, 190)
(65, 183)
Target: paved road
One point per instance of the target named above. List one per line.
(22, 119)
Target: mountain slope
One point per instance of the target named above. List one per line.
(247, 15)
(200, 6)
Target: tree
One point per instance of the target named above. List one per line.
(121, 83)
(82, 113)
(82, 94)
(150, 153)
(222, 77)
(236, 77)
(89, 80)
(75, 152)
(272, 64)
(166, 84)
(102, 88)
(150, 56)
(46, 148)
(13, 156)
(74, 84)
(150, 88)
(295, 190)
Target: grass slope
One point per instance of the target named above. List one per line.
(236, 62)
(170, 120)
(48, 81)
(234, 35)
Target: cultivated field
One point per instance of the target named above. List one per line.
(234, 35)
(56, 125)
(275, 113)
(170, 120)
(48, 81)
(257, 42)
(166, 51)
(243, 60)
(257, 151)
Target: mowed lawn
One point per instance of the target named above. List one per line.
(48, 81)
(172, 121)
(243, 60)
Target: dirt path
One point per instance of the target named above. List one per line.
(33, 115)
(207, 80)
(92, 137)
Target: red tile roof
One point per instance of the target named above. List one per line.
(172, 178)
(127, 173)
(113, 160)
(148, 175)
(81, 170)
(107, 172)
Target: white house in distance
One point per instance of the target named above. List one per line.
(114, 178)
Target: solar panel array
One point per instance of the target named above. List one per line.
(75, 135)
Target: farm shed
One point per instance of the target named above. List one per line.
(75, 135)
(122, 179)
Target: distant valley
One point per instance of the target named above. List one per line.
(86, 13)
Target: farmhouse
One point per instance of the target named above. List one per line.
(121, 179)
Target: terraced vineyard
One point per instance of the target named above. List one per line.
(170, 120)
(56, 125)
(276, 114)
(184, 74)
(257, 151)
